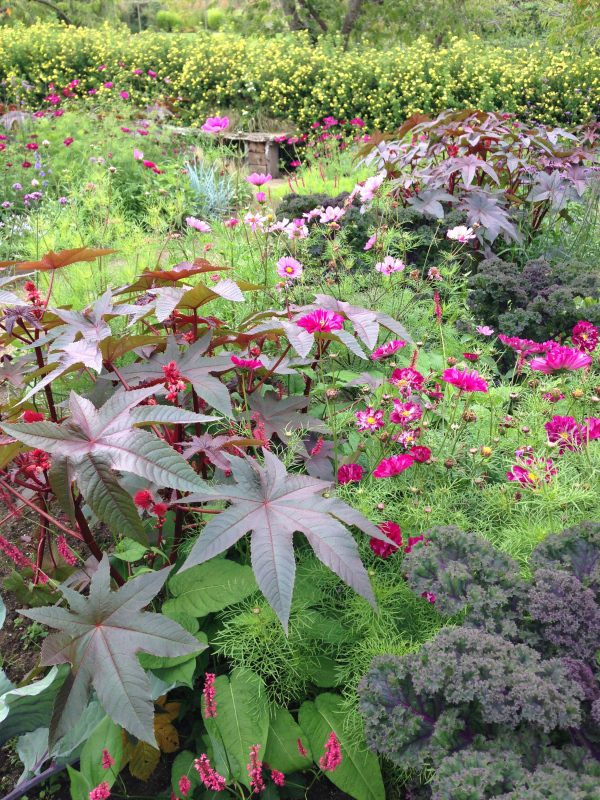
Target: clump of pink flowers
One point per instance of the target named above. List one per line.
(333, 754)
(349, 473)
(255, 770)
(464, 380)
(209, 776)
(70, 559)
(174, 381)
(321, 320)
(388, 349)
(107, 759)
(210, 704)
(101, 792)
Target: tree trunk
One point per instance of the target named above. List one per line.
(354, 7)
(291, 12)
(60, 14)
(314, 14)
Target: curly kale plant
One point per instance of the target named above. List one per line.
(481, 704)
(536, 302)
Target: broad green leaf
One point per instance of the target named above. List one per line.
(32, 749)
(30, 707)
(71, 745)
(80, 788)
(274, 504)
(107, 735)
(359, 773)
(323, 672)
(282, 752)
(242, 718)
(27, 594)
(129, 550)
(100, 637)
(210, 587)
(61, 476)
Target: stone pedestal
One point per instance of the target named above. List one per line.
(262, 151)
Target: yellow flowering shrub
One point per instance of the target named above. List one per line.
(291, 78)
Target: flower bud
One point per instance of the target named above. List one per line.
(380, 506)
(469, 416)
(451, 361)
(577, 394)
(427, 509)
(331, 393)
(486, 452)
(449, 463)
(472, 450)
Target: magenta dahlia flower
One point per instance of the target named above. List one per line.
(393, 465)
(348, 473)
(531, 472)
(585, 336)
(564, 430)
(383, 549)
(321, 320)
(560, 359)
(369, 420)
(407, 380)
(289, 268)
(388, 349)
(464, 380)
(246, 363)
(524, 346)
(404, 413)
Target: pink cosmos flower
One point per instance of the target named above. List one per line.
(321, 320)
(585, 336)
(231, 222)
(404, 413)
(389, 265)
(407, 380)
(369, 420)
(461, 234)
(289, 268)
(137, 71)
(393, 465)
(152, 73)
(484, 330)
(198, 224)
(68, 141)
(407, 437)
(255, 221)
(331, 214)
(564, 430)
(560, 359)
(388, 349)
(420, 453)
(383, 549)
(524, 346)
(333, 755)
(215, 124)
(358, 122)
(124, 95)
(590, 431)
(531, 472)
(372, 240)
(261, 197)
(349, 473)
(434, 274)
(209, 777)
(464, 380)
(108, 85)
(370, 186)
(551, 398)
(294, 163)
(258, 180)
(246, 363)
(294, 231)
(149, 164)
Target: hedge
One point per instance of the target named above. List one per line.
(291, 78)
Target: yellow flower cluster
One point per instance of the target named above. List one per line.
(290, 78)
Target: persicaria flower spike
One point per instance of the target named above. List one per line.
(210, 704)
(101, 792)
(255, 770)
(14, 553)
(209, 776)
(107, 759)
(70, 559)
(301, 748)
(184, 785)
(278, 777)
(333, 754)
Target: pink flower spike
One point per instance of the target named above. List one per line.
(278, 777)
(246, 363)
(333, 755)
(107, 759)
(388, 349)
(70, 559)
(184, 785)
(210, 704)
(560, 359)
(255, 770)
(393, 465)
(301, 748)
(383, 549)
(209, 777)
(321, 320)
(289, 268)
(258, 180)
(369, 420)
(101, 792)
(349, 473)
(585, 336)
(198, 225)
(465, 381)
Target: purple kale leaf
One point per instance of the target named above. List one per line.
(576, 550)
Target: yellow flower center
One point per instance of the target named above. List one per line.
(532, 477)
(584, 337)
(289, 269)
(371, 420)
(406, 413)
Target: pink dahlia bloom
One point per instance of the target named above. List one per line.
(585, 336)
(258, 180)
(560, 359)
(215, 124)
(524, 346)
(404, 413)
(393, 465)
(564, 430)
(246, 363)
(464, 380)
(389, 265)
(531, 472)
(198, 224)
(369, 420)
(289, 268)
(321, 320)
(407, 380)
(383, 549)
(388, 349)
(348, 473)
